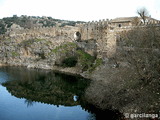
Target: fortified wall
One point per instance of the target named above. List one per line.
(97, 37)
(20, 34)
(105, 33)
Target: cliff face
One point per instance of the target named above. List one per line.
(57, 53)
(36, 53)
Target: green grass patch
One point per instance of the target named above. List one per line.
(14, 54)
(96, 63)
(64, 48)
(85, 60)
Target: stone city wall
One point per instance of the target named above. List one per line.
(99, 37)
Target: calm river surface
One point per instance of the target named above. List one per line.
(42, 95)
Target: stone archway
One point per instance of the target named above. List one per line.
(77, 36)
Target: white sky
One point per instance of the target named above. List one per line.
(84, 10)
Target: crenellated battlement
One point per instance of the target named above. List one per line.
(89, 30)
(110, 21)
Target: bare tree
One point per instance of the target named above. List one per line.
(143, 13)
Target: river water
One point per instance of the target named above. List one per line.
(43, 95)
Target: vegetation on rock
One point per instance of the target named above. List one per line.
(33, 21)
(71, 55)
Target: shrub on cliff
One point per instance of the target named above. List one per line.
(70, 61)
(2, 28)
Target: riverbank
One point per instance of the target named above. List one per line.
(117, 89)
(69, 70)
(121, 89)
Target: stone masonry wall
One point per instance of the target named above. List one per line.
(105, 34)
(42, 32)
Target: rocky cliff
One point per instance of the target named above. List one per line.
(59, 53)
(25, 53)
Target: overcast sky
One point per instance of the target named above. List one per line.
(83, 10)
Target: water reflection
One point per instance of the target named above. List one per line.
(29, 103)
(63, 91)
(48, 87)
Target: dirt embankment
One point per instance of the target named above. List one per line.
(121, 89)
